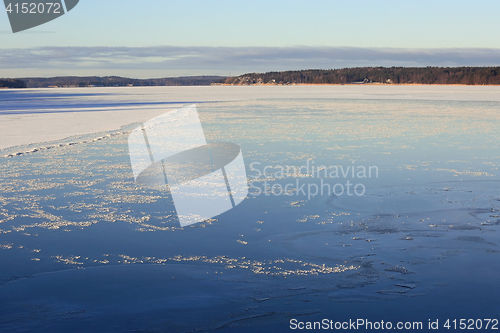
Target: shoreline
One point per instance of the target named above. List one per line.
(359, 84)
(269, 85)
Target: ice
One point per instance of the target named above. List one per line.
(80, 240)
(40, 115)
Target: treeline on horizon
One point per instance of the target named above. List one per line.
(107, 81)
(396, 75)
(12, 83)
(358, 75)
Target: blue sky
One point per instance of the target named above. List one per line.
(169, 38)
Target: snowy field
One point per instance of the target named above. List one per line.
(83, 248)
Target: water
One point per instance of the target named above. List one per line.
(83, 248)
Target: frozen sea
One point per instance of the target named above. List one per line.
(83, 248)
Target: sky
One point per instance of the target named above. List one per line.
(159, 38)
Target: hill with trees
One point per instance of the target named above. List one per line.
(385, 75)
(111, 81)
(116, 81)
(11, 83)
(358, 75)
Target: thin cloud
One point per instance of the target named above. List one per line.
(220, 60)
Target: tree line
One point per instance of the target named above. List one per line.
(12, 83)
(397, 75)
(108, 81)
(357, 75)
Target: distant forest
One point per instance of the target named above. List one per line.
(364, 75)
(358, 75)
(108, 81)
(11, 83)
